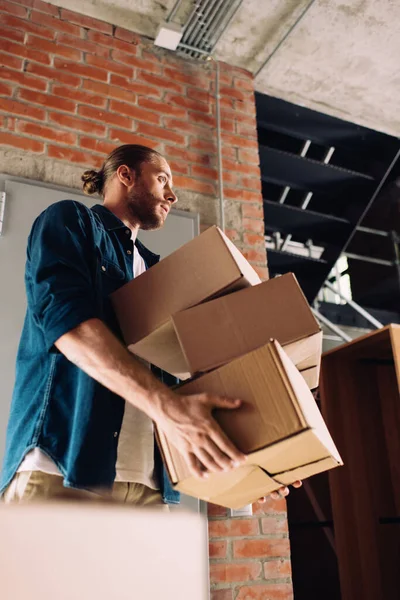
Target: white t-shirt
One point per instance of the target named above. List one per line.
(135, 461)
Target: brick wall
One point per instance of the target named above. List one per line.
(250, 556)
(71, 89)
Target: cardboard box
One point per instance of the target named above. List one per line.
(204, 268)
(216, 332)
(279, 428)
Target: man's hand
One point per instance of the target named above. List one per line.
(188, 423)
(282, 492)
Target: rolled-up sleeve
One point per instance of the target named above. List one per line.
(60, 271)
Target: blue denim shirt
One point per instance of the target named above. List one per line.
(76, 257)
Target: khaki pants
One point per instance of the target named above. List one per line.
(36, 486)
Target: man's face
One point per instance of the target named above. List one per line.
(151, 197)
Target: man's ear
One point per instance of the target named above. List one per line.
(126, 176)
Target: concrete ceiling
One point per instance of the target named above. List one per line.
(340, 57)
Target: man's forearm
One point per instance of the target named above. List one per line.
(96, 350)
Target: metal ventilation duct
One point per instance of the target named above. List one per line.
(204, 24)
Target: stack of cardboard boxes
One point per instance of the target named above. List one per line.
(203, 315)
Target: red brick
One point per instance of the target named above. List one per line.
(233, 572)
(188, 156)
(84, 45)
(201, 96)
(262, 272)
(188, 103)
(134, 61)
(232, 165)
(52, 74)
(50, 133)
(233, 527)
(163, 107)
(18, 108)
(252, 183)
(259, 548)
(5, 90)
(160, 133)
(13, 9)
(2, 121)
(55, 23)
(243, 84)
(82, 70)
(205, 145)
(27, 3)
(135, 112)
(109, 65)
(222, 594)
(227, 103)
(26, 26)
(10, 61)
(46, 7)
(256, 256)
(253, 211)
(10, 139)
(86, 22)
(77, 124)
(25, 52)
(275, 591)
(201, 119)
(11, 34)
(213, 510)
(11, 123)
(231, 178)
(254, 239)
(217, 549)
(270, 507)
(35, 97)
(109, 91)
(247, 108)
(229, 153)
(194, 185)
(111, 42)
(274, 525)
(252, 157)
(239, 142)
(105, 117)
(53, 48)
(277, 569)
(254, 225)
(127, 137)
(96, 145)
(141, 89)
(184, 127)
(235, 115)
(228, 126)
(179, 167)
(75, 156)
(246, 130)
(197, 78)
(125, 35)
(79, 96)
(242, 195)
(233, 234)
(160, 82)
(206, 173)
(232, 93)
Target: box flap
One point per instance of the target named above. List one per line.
(243, 265)
(311, 377)
(256, 485)
(195, 272)
(306, 471)
(222, 329)
(305, 353)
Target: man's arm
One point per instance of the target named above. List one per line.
(186, 420)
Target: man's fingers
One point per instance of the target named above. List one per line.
(208, 461)
(195, 466)
(228, 403)
(226, 446)
(297, 484)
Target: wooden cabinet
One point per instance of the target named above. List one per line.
(360, 401)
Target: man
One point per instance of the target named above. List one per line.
(83, 407)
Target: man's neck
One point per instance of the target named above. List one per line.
(122, 215)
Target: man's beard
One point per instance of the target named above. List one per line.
(144, 207)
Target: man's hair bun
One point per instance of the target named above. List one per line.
(92, 182)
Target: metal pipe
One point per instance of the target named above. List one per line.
(192, 49)
(364, 313)
(376, 261)
(174, 10)
(197, 14)
(200, 21)
(373, 231)
(209, 15)
(219, 149)
(219, 16)
(218, 33)
(285, 37)
(331, 325)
